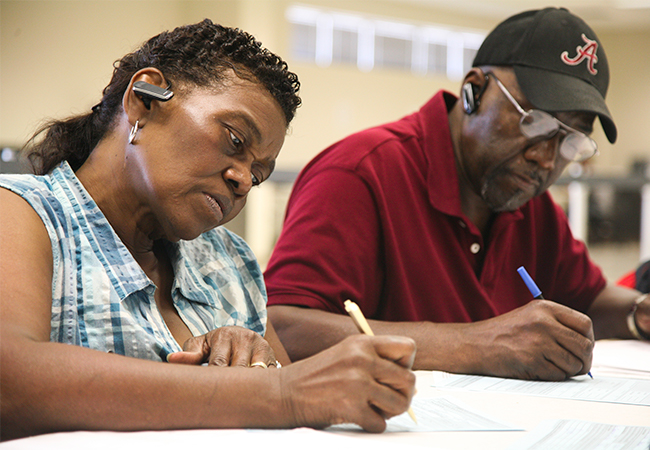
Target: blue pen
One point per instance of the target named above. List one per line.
(534, 289)
(530, 284)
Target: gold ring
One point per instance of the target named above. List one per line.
(260, 364)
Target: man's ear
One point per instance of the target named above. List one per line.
(135, 105)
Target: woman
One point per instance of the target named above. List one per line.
(115, 249)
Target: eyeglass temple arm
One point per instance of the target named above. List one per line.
(510, 97)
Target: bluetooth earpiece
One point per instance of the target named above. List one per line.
(470, 102)
(471, 98)
(148, 92)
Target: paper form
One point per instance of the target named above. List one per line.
(440, 414)
(627, 358)
(601, 389)
(583, 435)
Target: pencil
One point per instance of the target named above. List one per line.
(362, 325)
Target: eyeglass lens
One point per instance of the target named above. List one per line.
(535, 123)
(574, 146)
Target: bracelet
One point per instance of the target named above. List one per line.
(631, 323)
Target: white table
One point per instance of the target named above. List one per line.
(522, 411)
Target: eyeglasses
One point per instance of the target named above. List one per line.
(535, 123)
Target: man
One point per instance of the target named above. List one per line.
(423, 222)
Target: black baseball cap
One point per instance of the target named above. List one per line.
(558, 60)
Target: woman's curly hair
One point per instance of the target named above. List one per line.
(197, 54)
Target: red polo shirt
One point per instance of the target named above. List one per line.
(376, 218)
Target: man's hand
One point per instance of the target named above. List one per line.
(226, 346)
(362, 380)
(542, 340)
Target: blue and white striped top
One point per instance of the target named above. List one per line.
(101, 297)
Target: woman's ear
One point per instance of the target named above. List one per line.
(136, 103)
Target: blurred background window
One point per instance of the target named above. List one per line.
(330, 37)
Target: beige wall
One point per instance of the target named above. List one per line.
(628, 99)
(56, 57)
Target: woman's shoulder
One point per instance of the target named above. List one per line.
(25, 224)
(36, 190)
(26, 184)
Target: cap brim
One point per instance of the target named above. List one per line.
(553, 91)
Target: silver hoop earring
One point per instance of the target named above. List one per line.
(133, 132)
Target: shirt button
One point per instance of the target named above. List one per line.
(462, 224)
(474, 248)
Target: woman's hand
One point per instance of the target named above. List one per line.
(226, 346)
(363, 380)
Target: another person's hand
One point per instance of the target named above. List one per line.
(542, 340)
(226, 346)
(362, 380)
(642, 316)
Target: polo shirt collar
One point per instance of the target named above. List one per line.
(124, 273)
(442, 175)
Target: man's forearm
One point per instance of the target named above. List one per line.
(541, 340)
(609, 312)
(305, 331)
